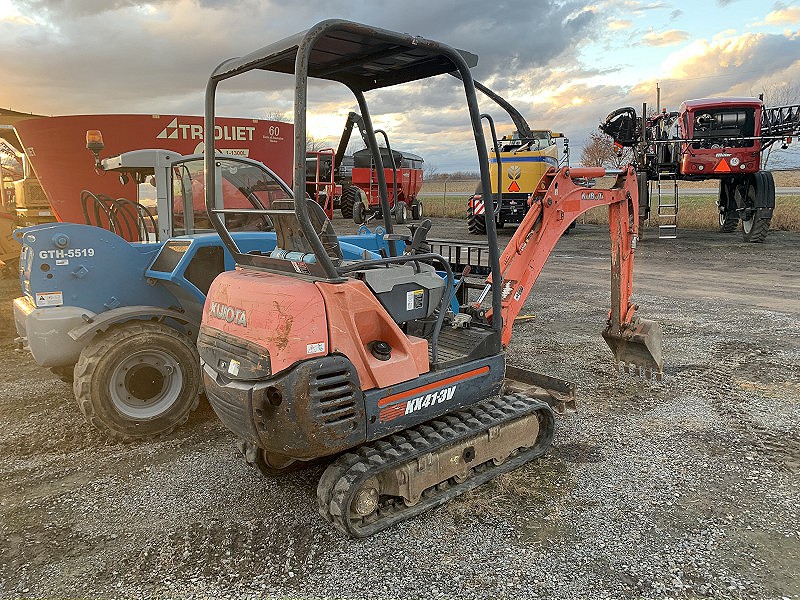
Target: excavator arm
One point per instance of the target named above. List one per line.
(557, 202)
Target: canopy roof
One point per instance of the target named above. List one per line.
(360, 56)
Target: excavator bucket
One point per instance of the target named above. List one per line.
(638, 347)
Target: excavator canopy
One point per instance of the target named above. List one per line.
(362, 57)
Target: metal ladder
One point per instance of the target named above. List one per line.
(667, 207)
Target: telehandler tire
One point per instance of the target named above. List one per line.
(138, 380)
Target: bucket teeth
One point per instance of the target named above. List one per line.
(638, 348)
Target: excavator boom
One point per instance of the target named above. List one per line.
(561, 197)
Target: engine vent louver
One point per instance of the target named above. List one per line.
(333, 395)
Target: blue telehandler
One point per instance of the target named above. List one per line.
(114, 305)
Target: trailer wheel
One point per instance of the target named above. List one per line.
(359, 212)
(348, 200)
(416, 210)
(400, 212)
(138, 380)
(476, 224)
(760, 192)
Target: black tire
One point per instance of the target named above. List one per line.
(476, 224)
(760, 192)
(644, 195)
(400, 212)
(644, 201)
(359, 212)
(349, 198)
(728, 217)
(64, 373)
(138, 380)
(416, 210)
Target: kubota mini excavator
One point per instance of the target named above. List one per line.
(307, 356)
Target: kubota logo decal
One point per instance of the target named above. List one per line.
(194, 131)
(231, 314)
(514, 173)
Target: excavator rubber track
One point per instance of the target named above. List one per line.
(466, 441)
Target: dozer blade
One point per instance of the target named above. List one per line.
(638, 347)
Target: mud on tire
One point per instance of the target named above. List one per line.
(138, 380)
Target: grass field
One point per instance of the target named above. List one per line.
(448, 199)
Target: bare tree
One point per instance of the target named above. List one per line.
(276, 115)
(315, 144)
(429, 172)
(601, 152)
(778, 94)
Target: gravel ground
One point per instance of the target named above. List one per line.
(685, 489)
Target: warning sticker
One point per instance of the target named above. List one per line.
(315, 348)
(49, 299)
(233, 367)
(415, 299)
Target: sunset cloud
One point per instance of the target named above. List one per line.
(617, 24)
(783, 16)
(670, 37)
(563, 63)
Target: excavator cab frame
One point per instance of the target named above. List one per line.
(363, 58)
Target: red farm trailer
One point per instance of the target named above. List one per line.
(403, 173)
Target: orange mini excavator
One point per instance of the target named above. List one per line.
(373, 363)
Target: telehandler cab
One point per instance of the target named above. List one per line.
(306, 355)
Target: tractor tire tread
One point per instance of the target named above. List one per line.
(347, 201)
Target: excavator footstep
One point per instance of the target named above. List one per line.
(637, 349)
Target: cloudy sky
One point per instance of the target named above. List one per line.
(564, 64)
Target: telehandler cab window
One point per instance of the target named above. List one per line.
(243, 186)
